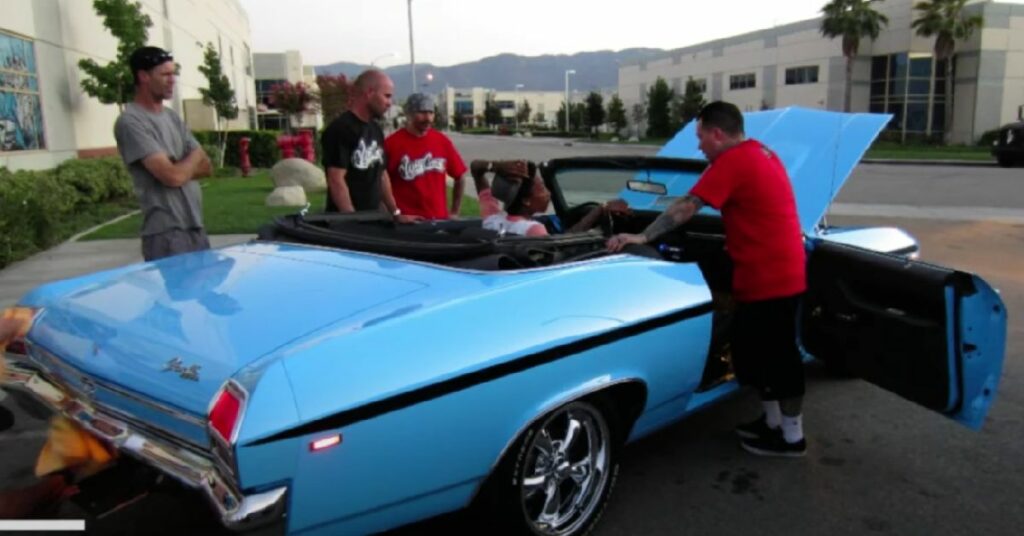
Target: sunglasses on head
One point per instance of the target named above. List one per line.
(153, 59)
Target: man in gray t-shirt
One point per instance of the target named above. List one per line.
(163, 158)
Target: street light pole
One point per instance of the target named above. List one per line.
(567, 112)
(516, 106)
(412, 53)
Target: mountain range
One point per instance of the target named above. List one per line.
(596, 71)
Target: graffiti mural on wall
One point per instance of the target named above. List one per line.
(21, 115)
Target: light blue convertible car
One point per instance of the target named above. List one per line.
(342, 375)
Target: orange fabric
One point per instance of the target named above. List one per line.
(14, 324)
(70, 446)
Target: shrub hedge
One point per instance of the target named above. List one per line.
(263, 151)
(37, 206)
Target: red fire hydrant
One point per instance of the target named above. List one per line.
(306, 145)
(287, 145)
(243, 156)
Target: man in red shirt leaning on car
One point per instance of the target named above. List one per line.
(419, 161)
(748, 183)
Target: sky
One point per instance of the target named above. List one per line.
(448, 32)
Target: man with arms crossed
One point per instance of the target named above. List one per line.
(747, 182)
(420, 159)
(163, 158)
(353, 151)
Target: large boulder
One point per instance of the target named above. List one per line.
(287, 196)
(298, 172)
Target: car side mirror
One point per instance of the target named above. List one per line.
(647, 187)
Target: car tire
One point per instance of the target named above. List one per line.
(1005, 161)
(548, 486)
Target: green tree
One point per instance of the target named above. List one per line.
(852, 20)
(524, 112)
(639, 115)
(113, 83)
(218, 95)
(946, 21)
(659, 119)
(576, 117)
(560, 116)
(539, 118)
(334, 92)
(492, 114)
(691, 102)
(617, 113)
(595, 112)
(458, 121)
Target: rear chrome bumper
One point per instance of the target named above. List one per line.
(237, 511)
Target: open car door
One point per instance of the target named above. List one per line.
(930, 334)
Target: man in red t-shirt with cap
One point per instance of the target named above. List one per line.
(748, 183)
(419, 161)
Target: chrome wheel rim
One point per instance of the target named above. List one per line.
(565, 470)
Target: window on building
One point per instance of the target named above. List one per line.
(802, 75)
(464, 107)
(21, 113)
(912, 88)
(743, 81)
(505, 105)
(248, 60)
(264, 88)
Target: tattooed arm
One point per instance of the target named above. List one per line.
(679, 213)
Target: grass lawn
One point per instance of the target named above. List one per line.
(235, 205)
(893, 150)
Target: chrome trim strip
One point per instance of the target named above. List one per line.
(58, 381)
(193, 469)
(51, 358)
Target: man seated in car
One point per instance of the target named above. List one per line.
(520, 188)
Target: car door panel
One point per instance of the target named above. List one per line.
(925, 332)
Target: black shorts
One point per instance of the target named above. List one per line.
(173, 242)
(764, 349)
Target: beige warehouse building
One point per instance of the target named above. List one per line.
(46, 118)
(794, 65)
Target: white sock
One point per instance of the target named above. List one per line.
(792, 428)
(772, 413)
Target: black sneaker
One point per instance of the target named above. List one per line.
(756, 428)
(775, 444)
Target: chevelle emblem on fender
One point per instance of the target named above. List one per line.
(190, 372)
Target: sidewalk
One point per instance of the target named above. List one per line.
(77, 258)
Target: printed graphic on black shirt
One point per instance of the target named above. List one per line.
(358, 148)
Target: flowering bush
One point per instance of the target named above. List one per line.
(292, 99)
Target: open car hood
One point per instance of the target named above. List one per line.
(819, 149)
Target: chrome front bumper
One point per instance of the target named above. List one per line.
(237, 511)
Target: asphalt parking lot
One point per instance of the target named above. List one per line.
(876, 464)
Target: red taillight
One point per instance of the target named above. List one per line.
(226, 412)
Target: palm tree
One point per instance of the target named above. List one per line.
(852, 20)
(947, 22)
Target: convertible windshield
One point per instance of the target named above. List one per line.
(585, 185)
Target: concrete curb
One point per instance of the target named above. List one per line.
(102, 225)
